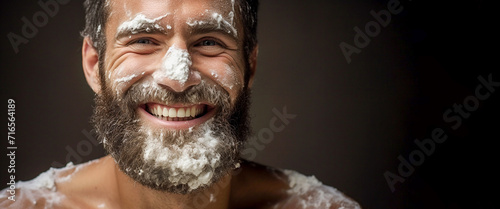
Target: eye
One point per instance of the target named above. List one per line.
(210, 46)
(144, 41)
(143, 45)
(209, 43)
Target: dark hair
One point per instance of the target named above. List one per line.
(97, 12)
(96, 15)
(248, 14)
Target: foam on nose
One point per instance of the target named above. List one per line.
(175, 65)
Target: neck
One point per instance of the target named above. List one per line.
(135, 195)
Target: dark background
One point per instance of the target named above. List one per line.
(353, 120)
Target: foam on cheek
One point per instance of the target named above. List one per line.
(229, 80)
(121, 82)
(175, 65)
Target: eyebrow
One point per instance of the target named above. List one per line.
(213, 24)
(140, 27)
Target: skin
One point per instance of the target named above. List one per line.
(125, 58)
(100, 183)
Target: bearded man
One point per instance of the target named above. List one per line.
(172, 80)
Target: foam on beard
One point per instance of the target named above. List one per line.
(175, 161)
(180, 161)
(190, 163)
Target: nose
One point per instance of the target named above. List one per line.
(175, 71)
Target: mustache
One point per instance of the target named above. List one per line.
(149, 91)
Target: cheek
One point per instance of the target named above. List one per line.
(226, 75)
(129, 72)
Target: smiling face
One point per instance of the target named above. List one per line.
(176, 45)
(172, 100)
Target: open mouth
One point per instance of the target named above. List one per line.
(177, 113)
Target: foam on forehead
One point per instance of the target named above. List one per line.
(140, 22)
(226, 8)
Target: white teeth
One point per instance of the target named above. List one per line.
(165, 112)
(159, 111)
(193, 111)
(181, 113)
(153, 111)
(172, 113)
(176, 113)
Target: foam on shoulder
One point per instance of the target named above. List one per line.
(309, 192)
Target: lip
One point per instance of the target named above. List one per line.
(175, 125)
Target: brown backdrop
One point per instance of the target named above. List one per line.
(352, 120)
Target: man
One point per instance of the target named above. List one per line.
(172, 80)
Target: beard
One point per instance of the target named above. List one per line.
(175, 161)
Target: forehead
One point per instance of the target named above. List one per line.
(121, 10)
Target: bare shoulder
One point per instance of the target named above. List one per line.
(54, 188)
(309, 192)
(279, 188)
(40, 192)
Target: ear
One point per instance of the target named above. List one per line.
(90, 63)
(252, 60)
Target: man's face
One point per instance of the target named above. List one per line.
(176, 44)
(173, 108)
